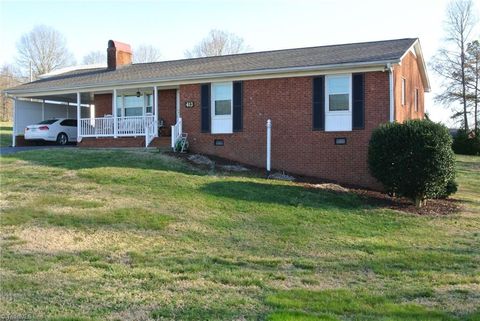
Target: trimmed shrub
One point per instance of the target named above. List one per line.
(466, 144)
(413, 159)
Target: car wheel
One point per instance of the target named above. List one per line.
(62, 139)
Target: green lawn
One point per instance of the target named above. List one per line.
(137, 235)
(5, 134)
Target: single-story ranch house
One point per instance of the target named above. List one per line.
(323, 103)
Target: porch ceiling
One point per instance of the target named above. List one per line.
(86, 98)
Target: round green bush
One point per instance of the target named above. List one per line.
(413, 159)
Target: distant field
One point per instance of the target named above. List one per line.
(139, 235)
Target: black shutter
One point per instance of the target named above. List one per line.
(318, 103)
(237, 106)
(358, 99)
(205, 108)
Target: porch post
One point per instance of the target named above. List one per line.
(79, 116)
(177, 105)
(155, 109)
(43, 109)
(114, 113)
(14, 129)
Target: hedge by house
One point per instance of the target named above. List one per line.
(413, 159)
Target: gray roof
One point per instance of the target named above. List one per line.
(345, 54)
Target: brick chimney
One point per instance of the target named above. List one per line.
(118, 54)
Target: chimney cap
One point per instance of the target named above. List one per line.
(119, 46)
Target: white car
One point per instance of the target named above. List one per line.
(60, 130)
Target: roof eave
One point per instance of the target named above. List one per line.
(421, 62)
(265, 72)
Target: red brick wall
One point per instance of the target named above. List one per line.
(296, 148)
(103, 104)
(410, 71)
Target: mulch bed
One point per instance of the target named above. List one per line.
(433, 207)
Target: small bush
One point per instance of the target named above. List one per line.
(466, 143)
(413, 159)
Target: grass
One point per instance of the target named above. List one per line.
(137, 235)
(5, 134)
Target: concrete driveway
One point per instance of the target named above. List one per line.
(11, 150)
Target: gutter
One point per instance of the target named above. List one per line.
(203, 77)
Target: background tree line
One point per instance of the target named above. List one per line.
(44, 49)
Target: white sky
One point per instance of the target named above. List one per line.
(174, 26)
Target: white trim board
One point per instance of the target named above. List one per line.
(222, 77)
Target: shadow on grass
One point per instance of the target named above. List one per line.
(75, 159)
(122, 218)
(283, 194)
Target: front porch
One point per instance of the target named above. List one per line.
(123, 117)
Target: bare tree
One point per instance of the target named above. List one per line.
(42, 50)
(146, 53)
(95, 57)
(473, 77)
(8, 78)
(450, 62)
(218, 43)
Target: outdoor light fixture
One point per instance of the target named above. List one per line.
(138, 93)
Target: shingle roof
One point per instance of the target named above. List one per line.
(353, 53)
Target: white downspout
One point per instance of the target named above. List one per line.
(269, 145)
(392, 107)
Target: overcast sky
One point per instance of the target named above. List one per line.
(174, 26)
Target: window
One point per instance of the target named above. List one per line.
(222, 97)
(338, 93)
(222, 94)
(416, 99)
(338, 102)
(47, 122)
(131, 105)
(119, 106)
(149, 103)
(69, 122)
(404, 91)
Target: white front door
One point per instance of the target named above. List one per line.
(222, 122)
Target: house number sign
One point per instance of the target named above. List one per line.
(189, 104)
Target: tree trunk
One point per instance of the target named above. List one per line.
(476, 98)
(464, 84)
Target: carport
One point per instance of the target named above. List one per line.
(29, 111)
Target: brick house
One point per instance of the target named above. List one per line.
(323, 103)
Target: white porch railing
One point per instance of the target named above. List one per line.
(126, 126)
(150, 132)
(176, 132)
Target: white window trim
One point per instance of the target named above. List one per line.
(215, 117)
(144, 105)
(327, 100)
(344, 116)
(404, 91)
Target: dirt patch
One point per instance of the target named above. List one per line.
(200, 160)
(281, 176)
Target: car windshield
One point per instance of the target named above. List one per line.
(47, 122)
